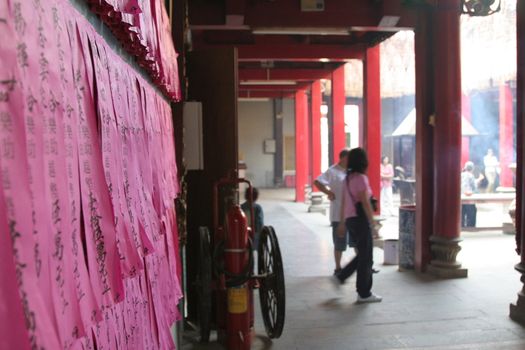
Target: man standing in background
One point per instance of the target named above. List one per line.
(331, 183)
(491, 169)
(468, 187)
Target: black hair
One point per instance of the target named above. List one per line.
(357, 161)
(383, 158)
(255, 193)
(344, 152)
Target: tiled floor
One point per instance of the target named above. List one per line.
(418, 312)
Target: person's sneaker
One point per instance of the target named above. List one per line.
(375, 270)
(336, 271)
(371, 299)
(336, 282)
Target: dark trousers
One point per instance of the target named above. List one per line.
(360, 231)
(468, 215)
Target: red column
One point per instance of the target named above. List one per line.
(447, 141)
(316, 128)
(301, 144)
(424, 144)
(506, 136)
(465, 141)
(372, 107)
(338, 111)
(517, 310)
(447, 129)
(520, 137)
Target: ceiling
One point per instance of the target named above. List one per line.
(284, 45)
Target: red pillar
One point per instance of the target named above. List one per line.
(372, 106)
(301, 144)
(447, 129)
(424, 140)
(338, 111)
(520, 136)
(506, 136)
(447, 141)
(316, 128)
(465, 141)
(517, 310)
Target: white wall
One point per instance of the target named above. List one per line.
(256, 125)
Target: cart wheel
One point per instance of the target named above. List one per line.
(272, 290)
(203, 285)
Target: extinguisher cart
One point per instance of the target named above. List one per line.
(227, 273)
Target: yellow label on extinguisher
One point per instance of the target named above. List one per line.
(238, 300)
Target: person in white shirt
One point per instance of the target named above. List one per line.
(387, 174)
(468, 187)
(331, 183)
(491, 169)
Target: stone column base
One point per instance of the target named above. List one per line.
(444, 263)
(517, 310)
(316, 198)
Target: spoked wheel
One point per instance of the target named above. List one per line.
(203, 285)
(272, 290)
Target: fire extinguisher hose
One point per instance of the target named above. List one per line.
(232, 279)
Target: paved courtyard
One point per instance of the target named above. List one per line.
(417, 312)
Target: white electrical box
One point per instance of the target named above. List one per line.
(312, 5)
(193, 137)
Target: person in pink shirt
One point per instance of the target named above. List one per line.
(387, 174)
(358, 218)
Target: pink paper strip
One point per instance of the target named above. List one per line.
(11, 310)
(52, 112)
(103, 188)
(90, 310)
(103, 259)
(16, 187)
(130, 259)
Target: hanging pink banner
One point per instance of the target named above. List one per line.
(131, 170)
(35, 299)
(120, 150)
(90, 310)
(144, 28)
(138, 171)
(145, 156)
(11, 309)
(88, 183)
(53, 111)
(165, 54)
(32, 41)
(172, 252)
(103, 259)
(130, 260)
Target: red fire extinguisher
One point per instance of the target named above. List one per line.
(235, 278)
(237, 266)
(234, 265)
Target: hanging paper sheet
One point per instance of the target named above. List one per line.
(129, 257)
(144, 29)
(96, 204)
(87, 189)
(11, 309)
(17, 194)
